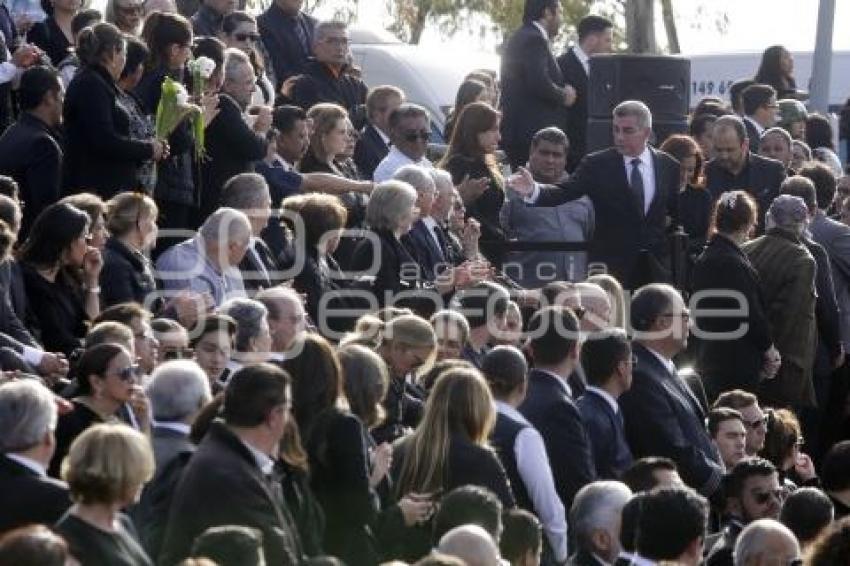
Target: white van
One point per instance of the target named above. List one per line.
(712, 75)
(429, 76)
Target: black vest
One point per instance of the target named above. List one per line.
(503, 440)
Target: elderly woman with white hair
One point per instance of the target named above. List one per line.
(253, 339)
(390, 214)
(786, 272)
(28, 418)
(178, 390)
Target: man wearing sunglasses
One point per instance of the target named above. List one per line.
(752, 492)
(410, 131)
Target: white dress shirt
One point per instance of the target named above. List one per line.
(647, 173)
(394, 161)
(533, 466)
(176, 426)
(28, 463)
(431, 224)
(607, 396)
(582, 57)
(264, 462)
(756, 125)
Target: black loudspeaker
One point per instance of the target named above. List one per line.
(659, 81)
(600, 134)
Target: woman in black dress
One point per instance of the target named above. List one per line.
(101, 153)
(694, 200)
(106, 469)
(52, 258)
(54, 35)
(328, 140)
(108, 385)
(471, 154)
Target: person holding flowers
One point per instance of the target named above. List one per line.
(101, 155)
(169, 38)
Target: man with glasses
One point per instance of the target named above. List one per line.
(210, 15)
(328, 77)
(287, 318)
(755, 421)
(662, 415)
(736, 167)
(752, 492)
(760, 110)
(409, 134)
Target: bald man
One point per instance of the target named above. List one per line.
(765, 542)
(472, 544)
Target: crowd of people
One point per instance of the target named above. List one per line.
(279, 333)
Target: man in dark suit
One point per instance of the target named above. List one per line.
(534, 95)
(595, 520)
(27, 419)
(549, 404)
(760, 109)
(287, 35)
(595, 35)
(607, 360)
(328, 77)
(29, 150)
(634, 191)
(232, 145)
(421, 241)
(231, 478)
(662, 416)
(735, 167)
(249, 193)
(374, 142)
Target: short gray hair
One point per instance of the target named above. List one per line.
(177, 390)
(597, 506)
(231, 223)
(245, 191)
(249, 316)
(443, 181)
(234, 61)
(388, 201)
(27, 414)
(637, 109)
(322, 29)
(417, 177)
(271, 296)
(752, 540)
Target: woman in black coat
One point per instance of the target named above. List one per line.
(731, 362)
(471, 154)
(51, 259)
(101, 155)
(127, 275)
(54, 35)
(169, 38)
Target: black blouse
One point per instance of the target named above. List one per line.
(51, 39)
(56, 310)
(95, 547)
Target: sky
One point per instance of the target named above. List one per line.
(753, 25)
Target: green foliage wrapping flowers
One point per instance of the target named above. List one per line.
(173, 108)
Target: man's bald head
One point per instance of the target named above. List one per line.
(472, 544)
(597, 306)
(765, 542)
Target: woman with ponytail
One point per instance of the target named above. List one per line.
(101, 154)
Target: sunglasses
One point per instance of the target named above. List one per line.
(254, 37)
(129, 373)
(178, 354)
(423, 135)
(762, 497)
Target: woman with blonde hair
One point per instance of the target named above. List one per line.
(616, 296)
(408, 344)
(328, 140)
(106, 469)
(127, 274)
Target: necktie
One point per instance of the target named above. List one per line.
(301, 35)
(441, 238)
(636, 184)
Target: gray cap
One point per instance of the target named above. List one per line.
(788, 211)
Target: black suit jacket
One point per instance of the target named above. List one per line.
(13, 333)
(622, 229)
(222, 485)
(554, 414)
(232, 148)
(761, 177)
(253, 276)
(575, 76)
(277, 30)
(663, 418)
(101, 156)
(28, 498)
(532, 91)
(422, 246)
(30, 153)
(126, 275)
(318, 84)
(369, 151)
(753, 136)
(611, 454)
(729, 363)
